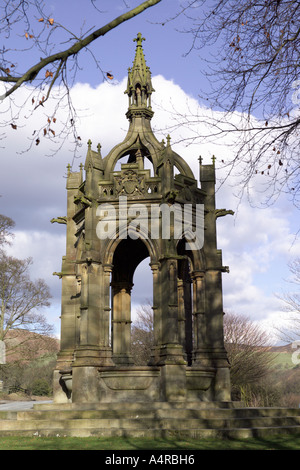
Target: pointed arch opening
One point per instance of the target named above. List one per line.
(128, 255)
(136, 155)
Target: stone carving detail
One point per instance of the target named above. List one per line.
(130, 183)
(222, 212)
(107, 191)
(188, 194)
(59, 220)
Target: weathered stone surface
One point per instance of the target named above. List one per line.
(157, 419)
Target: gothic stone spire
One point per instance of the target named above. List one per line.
(139, 85)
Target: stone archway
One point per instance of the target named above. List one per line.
(127, 256)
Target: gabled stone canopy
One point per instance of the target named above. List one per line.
(140, 136)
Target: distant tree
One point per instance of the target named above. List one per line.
(247, 348)
(6, 224)
(21, 301)
(24, 330)
(26, 373)
(40, 387)
(245, 342)
(142, 335)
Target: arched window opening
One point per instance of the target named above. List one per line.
(142, 329)
(139, 156)
(127, 256)
(121, 160)
(148, 165)
(176, 171)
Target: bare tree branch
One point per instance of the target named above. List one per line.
(21, 298)
(250, 56)
(80, 44)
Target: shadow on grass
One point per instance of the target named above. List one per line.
(284, 442)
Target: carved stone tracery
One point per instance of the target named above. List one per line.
(130, 183)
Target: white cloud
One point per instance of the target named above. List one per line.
(256, 244)
(46, 251)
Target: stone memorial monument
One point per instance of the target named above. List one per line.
(116, 218)
(118, 215)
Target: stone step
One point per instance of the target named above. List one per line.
(8, 414)
(194, 433)
(149, 423)
(168, 423)
(141, 420)
(143, 413)
(140, 405)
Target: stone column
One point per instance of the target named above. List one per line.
(201, 354)
(70, 312)
(87, 354)
(185, 327)
(181, 313)
(169, 306)
(104, 321)
(105, 340)
(214, 306)
(188, 317)
(157, 315)
(70, 297)
(173, 375)
(121, 322)
(91, 321)
(215, 334)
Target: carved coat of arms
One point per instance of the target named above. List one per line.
(130, 183)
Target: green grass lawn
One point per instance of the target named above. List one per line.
(287, 442)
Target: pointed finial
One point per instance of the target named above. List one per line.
(69, 168)
(139, 39)
(89, 144)
(99, 148)
(200, 160)
(168, 140)
(213, 159)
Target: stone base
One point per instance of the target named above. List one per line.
(173, 382)
(85, 387)
(222, 385)
(169, 382)
(151, 420)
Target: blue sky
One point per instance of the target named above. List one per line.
(166, 45)
(257, 243)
